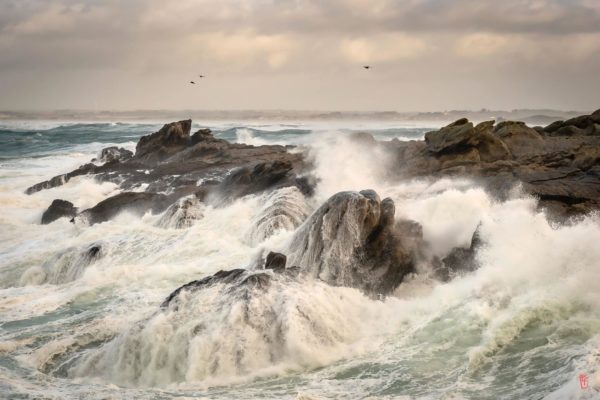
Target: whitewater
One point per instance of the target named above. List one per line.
(524, 325)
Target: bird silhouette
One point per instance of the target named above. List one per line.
(192, 82)
(366, 66)
(201, 76)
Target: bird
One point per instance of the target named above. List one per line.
(366, 66)
(201, 76)
(192, 82)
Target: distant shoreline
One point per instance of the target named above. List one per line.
(531, 116)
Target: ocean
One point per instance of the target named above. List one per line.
(524, 325)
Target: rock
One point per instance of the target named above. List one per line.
(275, 261)
(583, 125)
(460, 259)
(114, 154)
(58, 209)
(461, 141)
(352, 240)
(237, 278)
(255, 179)
(183, 213)
(168, 140)
(519, 138)
(135, 202)
(61, 179)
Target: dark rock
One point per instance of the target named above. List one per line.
(135, 202)
(460, 260)
(352, 240)
(58, 209)
(257, 178)
(275, 261)
(114, 154)
(235, 278)
(168, 140)
(61, 179)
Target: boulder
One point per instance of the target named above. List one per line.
(58, 209)
(519, 138)
(353, 240)
(275, 261)
(466, 143)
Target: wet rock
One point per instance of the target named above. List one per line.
(460, 260)
(58, 209)
(352, 240)
(134, 202)
(257, 178)
(275, 261)
(235, 278)
(168, 140)
(114, 154)
(60, 180)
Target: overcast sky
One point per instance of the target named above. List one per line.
(300, 54)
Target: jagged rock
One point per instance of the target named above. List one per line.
(114, 154)
(460, 259)
(275, 261)
(135, 202)
(58, 209)
(168, 140)
(352, 240)
(257, 178)
(61, 179)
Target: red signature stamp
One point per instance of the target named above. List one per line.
(583, 381)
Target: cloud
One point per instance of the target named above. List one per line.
(383, 48)
(440, 43)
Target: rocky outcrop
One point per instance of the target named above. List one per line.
(562, 171)
(173, 161)
(584, 125)
(469, 143)
(58, 209)
(170, 139)
(353, 240)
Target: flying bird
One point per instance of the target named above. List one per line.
(192, 82)
(201, 76)
(366, 66)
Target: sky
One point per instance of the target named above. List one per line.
(426, 55)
